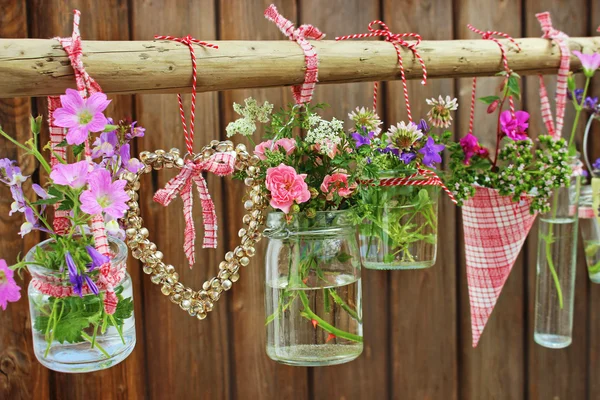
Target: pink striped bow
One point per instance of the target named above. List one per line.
(220, 164)
(302, 93)
(561, 80)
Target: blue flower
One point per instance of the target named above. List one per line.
(431, 152)
(362, 140)
(407, 157)
(98, 259)
(596, 164)
(423, 127)
(389, 149)
(74, 275)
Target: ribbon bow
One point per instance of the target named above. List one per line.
(302, 93)
(398, 40)
(561, 80)
(220, 164)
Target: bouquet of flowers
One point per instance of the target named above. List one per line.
(500, 191)
(313, 295)
(398, 197)
(80, 295)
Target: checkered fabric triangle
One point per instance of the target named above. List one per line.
(495, 229)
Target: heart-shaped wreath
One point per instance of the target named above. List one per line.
(214, 158)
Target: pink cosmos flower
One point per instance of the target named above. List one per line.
(81, 116)
(337, 183)
(9, 290)
(104, 195)
(515, 127)
(589, 62)
(289, 145)
(286, 187)
(73, 175)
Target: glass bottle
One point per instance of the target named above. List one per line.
(399, 230)
(556, 263)
(590, 232)
(73, 333)
(313, 289)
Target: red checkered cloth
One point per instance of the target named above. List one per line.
(495, 229)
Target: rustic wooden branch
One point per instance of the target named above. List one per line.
(39, 67)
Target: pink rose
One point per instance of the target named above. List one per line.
(289, 145)
(337, 183)
(286, 186)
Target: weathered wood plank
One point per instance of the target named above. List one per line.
(556, 374)
(37, 67)
(423, 332)
(493, 370)
(256, 376)
(108, 21)
(21, 376)
(187, 357)
(365, 377)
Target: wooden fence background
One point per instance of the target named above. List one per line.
(417, 325)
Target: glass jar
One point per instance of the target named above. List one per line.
(556, 263)
(590, 232)
(313, 289)
(73, 333)
(399, 230)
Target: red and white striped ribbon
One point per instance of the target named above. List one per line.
(489, 35)
(86, 86)
(397, 40)
(190, 42)
(220, 164)
(561, 81)
(431, 179)
(302, 93)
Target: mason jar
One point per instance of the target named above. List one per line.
(399, 229)
(589, 225)
(73, 333)
(313, 289)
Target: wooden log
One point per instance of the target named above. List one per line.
(39, 67)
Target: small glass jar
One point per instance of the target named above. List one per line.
(313, 289)
(73, 333)
(556, 267)
(399, 230)
(590, 232)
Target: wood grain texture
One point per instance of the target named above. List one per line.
(21, 376)
(256, 376)
(495, 369)
(366, 377)
(187, 357)
(557, 374)
(37, 67)
(423, 318)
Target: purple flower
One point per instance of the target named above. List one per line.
(10, 174)
(91, 285)
(72, 175)
(362, 140)
(514, 127)
(31, 222)
(423, 127)
(590, 103)
(42, 194)
(131, 164)
(596, 164)
(9, 290)
(19, 203)
(81, 116)
(407, 157)
(105, 145)
(391, 150)
(589, 62)
(431, 151)
(74, 275)
(104, 195)
(135, 131)
(98, 259)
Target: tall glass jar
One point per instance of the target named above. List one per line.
(73, 333)
(556, 263)
(399, 230)
(589, 226)
(313, 289)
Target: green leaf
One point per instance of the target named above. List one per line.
(55, 192)
(48, 201)
(110, 128)
(41, 323)
(124, 310)
(66, 205)
(77, 150)
(388, 258)
(69, 330)
(489, 99)
(512, 87)
(63, 143)
(343, 257)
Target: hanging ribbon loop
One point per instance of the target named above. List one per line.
(220, 164)
(555, 130)
(302, 93)
(398, 40)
